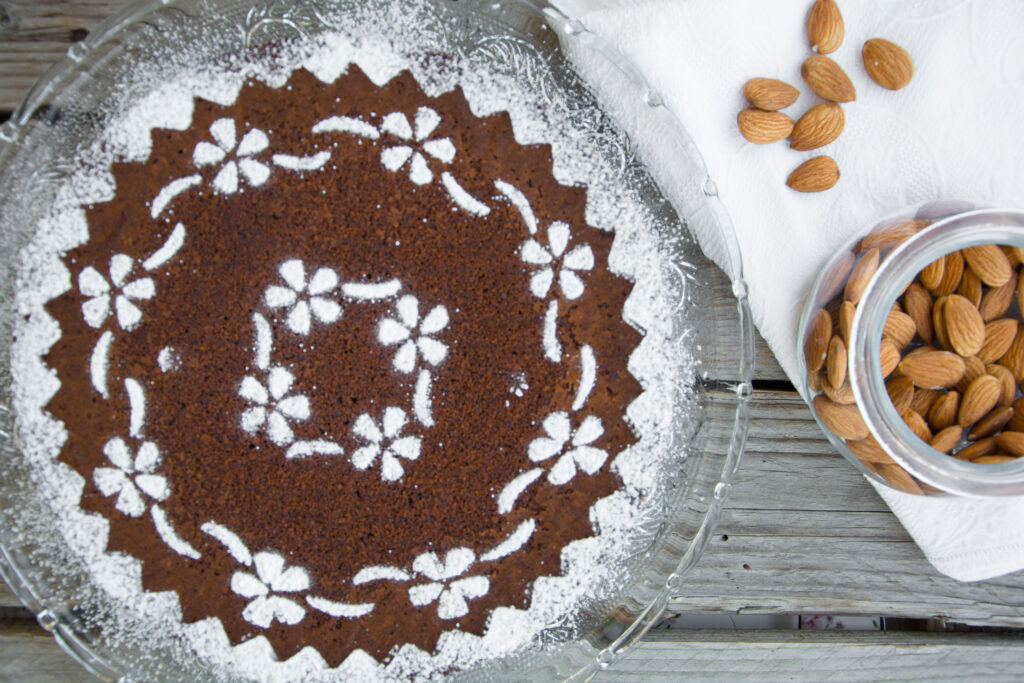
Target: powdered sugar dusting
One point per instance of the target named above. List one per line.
(170, 537)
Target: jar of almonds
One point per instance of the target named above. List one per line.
(912, 350)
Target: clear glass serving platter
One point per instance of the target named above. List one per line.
(567, 70)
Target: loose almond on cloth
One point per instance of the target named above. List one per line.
(763, 127)
(820, 125)
(825, 26)
(814, 175)
(769, 94)
(888, 64)
(827, 79)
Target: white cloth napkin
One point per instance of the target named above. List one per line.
(957, 131)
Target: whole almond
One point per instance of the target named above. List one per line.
(999, 334)
(941, 338)
(1014, 356)
(842, 420)
(827, 79)
(819, 333)
(964, 326)
(815, 380)
(944, 412)
(887, 63)
(917, 302)
(820, 125)
(1020, 290)
(769, 94)
(1016, 423)
(901, 393)
(861, 275)
(990, 424)
(847, 310)
(843, 394)
(993, 459)
(933, 369)
(917, 424)
(946, 439)
(825, 27)
(889, 357)
(973, 369)
(923, 400)
(931, 276)
(835, 363)
(1013, 254)
(980, 398)
(900, 328)
(986, 446)
(970, 287)
(990, 263)
(1011, 442)
(892, 234)
(997, 300)
(898, 478)
(1008, 387)
(814, 175)
(952, 271)
(869, 451)
(763, 127)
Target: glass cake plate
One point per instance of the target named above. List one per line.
(570, 71)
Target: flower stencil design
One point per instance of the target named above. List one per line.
(100, 292)
(552, 263)
(452, 596)
(580, 454)
(304, 298)
(131, 477)
(224, 135)
(384, 441)
(395, 157)
(271, 408)
(271, 577)
(413, 334)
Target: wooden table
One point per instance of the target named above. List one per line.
(803, 532)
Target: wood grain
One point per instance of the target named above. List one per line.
(818, 656)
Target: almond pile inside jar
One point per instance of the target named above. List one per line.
(952, 354)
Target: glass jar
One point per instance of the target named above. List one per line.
(854, 337)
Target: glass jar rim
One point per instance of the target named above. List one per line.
(901, 266)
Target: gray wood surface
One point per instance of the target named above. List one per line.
(818, 656)
(803, 532)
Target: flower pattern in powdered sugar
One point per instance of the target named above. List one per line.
(100, 292)
(414, 335)
(452, 596)
(271, 408)
(580, 453)
(418, 144)
(553, 264)
(384, 441)
(304, 298)
(225, 136)
(271, 577)
(131, 478)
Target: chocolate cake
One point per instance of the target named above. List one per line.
(343, 365)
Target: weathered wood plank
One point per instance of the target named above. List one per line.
(818, 655)
(32, 655)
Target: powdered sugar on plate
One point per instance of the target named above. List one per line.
(593, 569)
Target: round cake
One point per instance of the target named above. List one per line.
(341, 366)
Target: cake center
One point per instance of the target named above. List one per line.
(310, 306)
